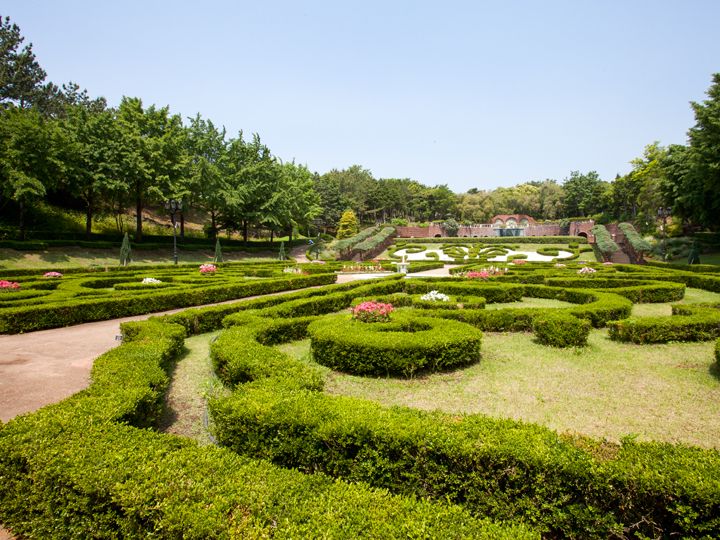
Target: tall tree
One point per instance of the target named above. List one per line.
(22, 80)
(585, 194)
(704, 142)
(29, 163)
(91, 158)
(152, 160)
(207, 152)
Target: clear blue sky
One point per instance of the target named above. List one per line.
(471, 94)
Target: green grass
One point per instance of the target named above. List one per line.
(193, 381)
(692, 296)
(607, 390)
(69, 257)
(531, 303)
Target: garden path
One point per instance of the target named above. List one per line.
(44, 367)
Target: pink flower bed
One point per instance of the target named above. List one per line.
(9, 285)
(55, 275)
(372, 312)
(208, 268)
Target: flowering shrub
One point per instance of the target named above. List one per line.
(207, 268)
(434, 296)
(519, 261)
(374, 267)
(372, 312)
(150, 281)
(293, 270)
(52, 275)
(559, 265)
(485, 273)
(586, 271)
(607, 263)
(9, 285)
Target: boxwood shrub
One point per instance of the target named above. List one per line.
(561, 330)
(406, 345)
(499, 468)
(83, 469)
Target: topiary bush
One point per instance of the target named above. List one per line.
(406, 345)
(561, 330)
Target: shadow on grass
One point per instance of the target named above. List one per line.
(169, 415)
(714, 370)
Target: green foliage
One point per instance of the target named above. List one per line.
(585, 194)
(686, 324)
(500, 468)
(638, 243)
(406, 345)
(348, 225)
(373, 242)
(451, 227)
(83, 300)
(125, 251)
(83, 466)
(561, 330)
(282, 255)
(604, 241)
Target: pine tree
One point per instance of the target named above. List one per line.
(218, 252)
(348, 226)
(125, 251)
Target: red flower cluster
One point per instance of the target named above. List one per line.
(9, 285)
(519, 261)
(482, 274)
(372, 312)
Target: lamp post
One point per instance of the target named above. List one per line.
(173, 206)
(663, 213)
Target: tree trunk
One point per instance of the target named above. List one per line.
(138, 218)
(213, 226)
(88, 220)
(22, 220)
(245, 232)
(182, 225)
(272, 235)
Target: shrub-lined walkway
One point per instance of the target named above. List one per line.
(44, 367)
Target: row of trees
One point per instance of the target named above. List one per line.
(57, 142)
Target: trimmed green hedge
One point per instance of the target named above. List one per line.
(561, 330)
(604, 241)
(500, 468)
(638, 243)
(73, 311)
(83, 469)
(407, 345)
(688, 323)
(501, 240)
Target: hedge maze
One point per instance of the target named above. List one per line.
(294, 461)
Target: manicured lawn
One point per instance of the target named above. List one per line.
(609, 390)
(74, 257)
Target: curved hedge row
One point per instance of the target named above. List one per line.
(407, 345)
(500, 468)
(82, 468)
(688, 323)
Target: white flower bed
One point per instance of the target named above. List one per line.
(151, 280)
(434, 296)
